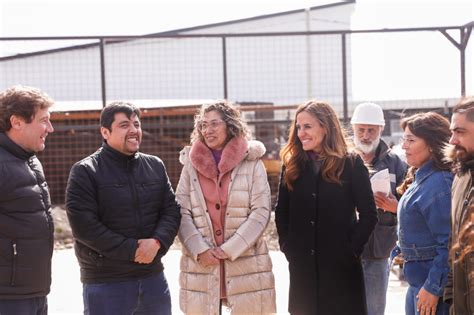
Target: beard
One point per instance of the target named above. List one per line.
(463, 159)
(366, 148)
(462, 155)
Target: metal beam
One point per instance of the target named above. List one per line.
(344, 79)
(464, 35)
(102, 72)
(329, 32)
(224, 67)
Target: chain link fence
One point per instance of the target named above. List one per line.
(267, 74)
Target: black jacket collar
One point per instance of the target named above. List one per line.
(381, 152)
(118, 156)
(14, 148)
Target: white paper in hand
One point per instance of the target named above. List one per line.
(380, 182)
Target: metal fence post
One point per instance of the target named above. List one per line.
(102, 71)
(344, 79)
(464, 35)
(224, 66)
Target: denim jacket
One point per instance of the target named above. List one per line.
(424, 217)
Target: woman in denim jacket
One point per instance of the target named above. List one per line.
(424, 213)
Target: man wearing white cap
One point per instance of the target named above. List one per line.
(368, 123)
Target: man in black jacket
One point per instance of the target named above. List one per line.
(368, 123)
(124, 218)
(26, 225)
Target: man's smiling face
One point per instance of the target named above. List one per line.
(125, 135)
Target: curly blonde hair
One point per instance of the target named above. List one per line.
(236, 127)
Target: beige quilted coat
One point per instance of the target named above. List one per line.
(249, 278)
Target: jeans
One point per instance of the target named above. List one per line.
(416, 273)
(411, 300)
(32, 306)
(376, 272)
(148, 296)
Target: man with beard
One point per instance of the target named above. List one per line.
(367, 124)
(124, 218)
(460, 289)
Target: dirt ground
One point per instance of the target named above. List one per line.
(62, 230)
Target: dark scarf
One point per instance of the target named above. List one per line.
(316, 162)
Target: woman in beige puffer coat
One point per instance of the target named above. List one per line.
(225, 205)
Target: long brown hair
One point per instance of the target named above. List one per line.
(465, 242)
(334, 147)
(434, 130)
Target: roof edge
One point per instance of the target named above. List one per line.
(254, 18)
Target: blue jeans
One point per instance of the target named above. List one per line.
(376, 273)
(32, 306)
(416, 273)
(411, 300)
(148, 296)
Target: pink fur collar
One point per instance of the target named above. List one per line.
(202, 160)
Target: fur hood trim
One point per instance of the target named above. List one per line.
(450, 153)
(235, 151)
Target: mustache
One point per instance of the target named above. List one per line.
(459, 148)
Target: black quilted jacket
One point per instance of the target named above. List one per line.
(113, 200)
(26, 226)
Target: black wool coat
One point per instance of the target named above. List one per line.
(322, 238)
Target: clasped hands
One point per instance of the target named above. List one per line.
(146, 250)
(211, 256)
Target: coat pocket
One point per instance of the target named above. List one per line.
(32, 264)
(8, 262)
(14, 263)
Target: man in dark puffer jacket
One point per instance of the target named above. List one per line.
(124, 217)
(26, 225)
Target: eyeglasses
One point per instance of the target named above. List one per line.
(407, 141)
(203, 126)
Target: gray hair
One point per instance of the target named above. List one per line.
(236, 127)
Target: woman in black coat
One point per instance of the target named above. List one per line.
(322, 237)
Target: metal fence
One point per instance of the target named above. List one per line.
(165, 133)
(268, 74)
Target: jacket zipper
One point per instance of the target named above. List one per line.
(15, 254)
(224, 226)
(134, 197)
(44, 192)
(222, 277)
(50, 225)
